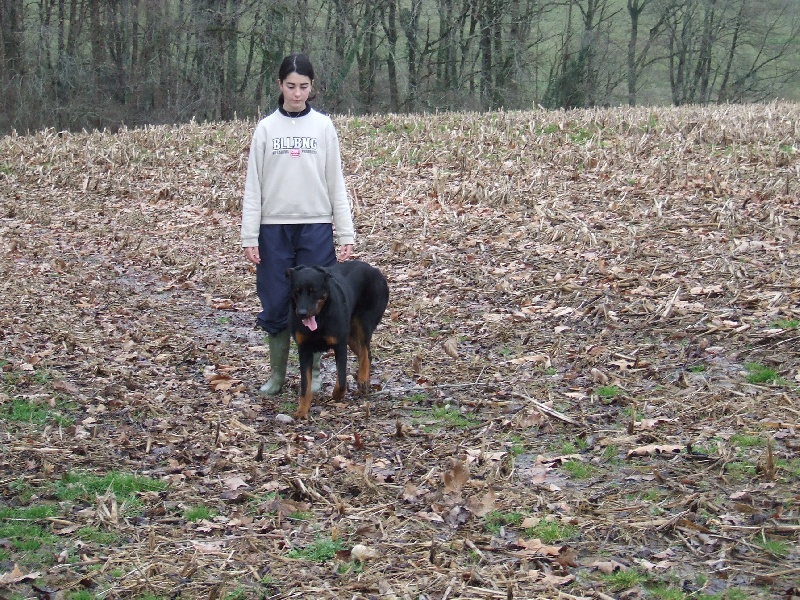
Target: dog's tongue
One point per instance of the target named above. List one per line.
(310, 322)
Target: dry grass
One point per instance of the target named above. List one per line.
(569, 380)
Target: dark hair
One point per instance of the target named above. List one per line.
(296, 63)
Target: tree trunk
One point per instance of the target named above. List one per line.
(390, 28)
(635, 8)
(11, 36)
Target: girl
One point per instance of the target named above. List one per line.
(294, 195)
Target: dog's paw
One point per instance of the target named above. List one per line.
(338, 393)
(303, 406)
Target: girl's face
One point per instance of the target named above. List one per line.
(296, 89)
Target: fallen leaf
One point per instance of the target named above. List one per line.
(608, 566)
(234, 483)
(64, 386)
(16, 575)
(484, 505)
(455, 478)
(536, 547)
(451, 347)
(598, 376)
(362, 553)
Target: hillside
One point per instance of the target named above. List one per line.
(587, 383)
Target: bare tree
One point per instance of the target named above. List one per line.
(761, 56)
(410, 22)
(11, 36)
(731, 50)
(390, 27)
(574, 80)
(639, 58)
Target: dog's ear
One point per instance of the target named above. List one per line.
(290, 274)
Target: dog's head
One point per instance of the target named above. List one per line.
(309, 292)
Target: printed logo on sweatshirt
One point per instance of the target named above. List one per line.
(294, 145)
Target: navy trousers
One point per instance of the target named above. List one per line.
(283, 247)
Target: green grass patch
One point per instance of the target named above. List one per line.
(697, 369)
(25, 535)
(25, 411)
(610, 453)
(551, 531)
(416, 398)
(321, 550)
(789, 468)
(608, 391)
(87, 486)
(741, 440)
(777, 548)
(663, 592)
(623, 580)
(22, 490)
(580, 136)
(29, 513)
(200, 513)
(549, 129)
(42, 376)
(632, 413)
(786, 324)
(740, 470)
(350, 567)
(572, 446)
(653, 495)
(22, 410)
(577, 469)
(495, 520)
(757, 373)
(447, 416)
(301, 515)
(516, 445)
(92, 534)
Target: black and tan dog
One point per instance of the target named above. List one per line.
(335, 307)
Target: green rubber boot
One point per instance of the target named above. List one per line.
(316, 380)
(278, 356)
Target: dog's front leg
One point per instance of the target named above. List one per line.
(340, 352)
(304, 400)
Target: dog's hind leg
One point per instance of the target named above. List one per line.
(359, 344)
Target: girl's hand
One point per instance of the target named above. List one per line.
(345, 252)
(252, 255)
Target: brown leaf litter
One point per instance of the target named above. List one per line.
(577, 300)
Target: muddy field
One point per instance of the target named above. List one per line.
(587, 383)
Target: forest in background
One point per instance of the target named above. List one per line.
(73, 64)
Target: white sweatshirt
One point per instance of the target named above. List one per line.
(294, 175)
